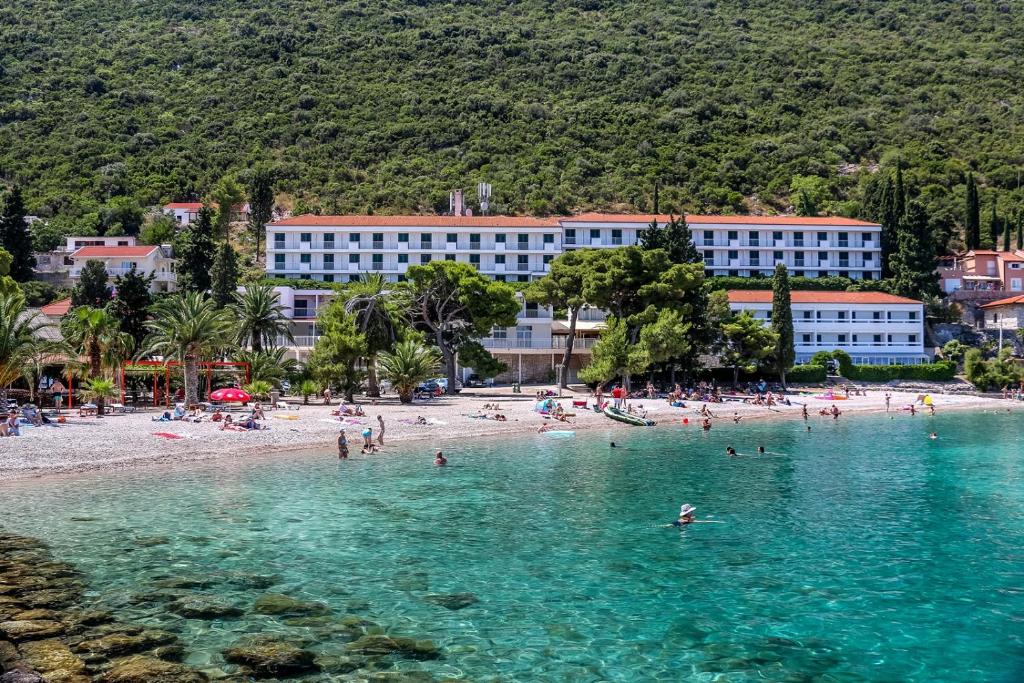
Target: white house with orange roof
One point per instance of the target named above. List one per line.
(875, 328)
(186, 212)
(119, 260)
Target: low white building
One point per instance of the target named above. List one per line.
(119, 260)
(873, 327)
(186, 212)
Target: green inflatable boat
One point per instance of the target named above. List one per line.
(620, 416)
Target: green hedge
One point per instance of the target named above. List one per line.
(806, 374)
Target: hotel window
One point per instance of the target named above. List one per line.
(842, 339)
(278, 261)
(403, 238)
(709, 258)
(777, 236)
(305, 258)
(523, 278)
(328, 240)
(616, 236)
(844, 239)
(844, 259)
(499, 333)
(306, 237)
(499, 259)
(841, 315)
(449, 257)
(755, 258)
(807, 315)
(807, 339)
(755, 239)
(328, 261)
(912, 315)
(305, 276)
(328, 278)
(547, 259)
(733, 255)
(403, 258)
(912, 338)
(709, 238)
(798, 273)
(378, 261)
(353, 258)
(474, 260)
(867, 238)
(425, 241)
(822, 237)
(524, 262)
(474, 241)
(798, 239)
(452, 238)
(733, 235)
(279, 240)
(549, 238)
(867, 257)
(877, 339)
(822, 256)
(595, 234)
(777, 256)
(798, 258)
(424, 258)
(378, 240)
(817, 338)
(570, 235)
(499, 239)
(499, 278)
(523, 241)
(353, 237)
(876, 315)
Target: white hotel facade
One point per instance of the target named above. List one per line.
(520, 249)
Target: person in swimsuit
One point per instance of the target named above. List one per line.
(760, 450)
(730, 451)
(685, 516)
(342, 446)
(380, 434)
(440, 460)
(706, 425)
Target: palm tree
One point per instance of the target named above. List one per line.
(17, 337)
(259, 389)
(373, 303)
(268, 366)
(96, 334)
(188, 327)
(99, 389)
(41, 352)
(261, 318)
(409, 364)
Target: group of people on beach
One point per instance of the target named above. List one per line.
(368, 446)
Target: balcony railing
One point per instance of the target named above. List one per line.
(552, 343)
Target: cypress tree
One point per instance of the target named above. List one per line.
(92, 288)
(15, 236)
(131, 305)
(913, 263)
(782, 322)
(194, 251)
(972, 215)
(261, 203)
(1007, 229)
(899, 193)
(994, 226)
(1020, 229)
(224, 275)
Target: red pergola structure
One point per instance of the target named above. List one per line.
(157, 365)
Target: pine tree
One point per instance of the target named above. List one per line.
(16, 237)
(994, 225)
(224, 275)
(194, 251)
(913, 263)
(131, 303)
(782, 322)
(675, 238)
(972, 215)
(92, 288)
(261, 203)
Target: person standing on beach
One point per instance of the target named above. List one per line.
(617, 397)
(804, 411)
(327, 396)
(888, 397)
(380, 434)
(342, 446)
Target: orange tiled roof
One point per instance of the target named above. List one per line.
(1019, 299)
(764, 296)
(57, 309)
(725, 220)
(416, 221)
(195, 206)
(100, 252)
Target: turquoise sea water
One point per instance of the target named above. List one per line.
(861, 551)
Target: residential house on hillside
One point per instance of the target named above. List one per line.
(119, 260)
(186, 212)
(55, 266)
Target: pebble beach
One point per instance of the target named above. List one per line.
(134, 439)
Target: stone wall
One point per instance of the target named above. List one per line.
(537, 368)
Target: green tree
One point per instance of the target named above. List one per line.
(338, 350)
(914, 264)
(92, 288)
(782, 322)
(674, 237)
(378, 308)
(227, 195)
(16, 237)
(260, 187)
(453, 303)
(194, 251)
(18, 330)
(614, 355)
(100, 390)
(472, 354)
(1007, 229)
(131, 304)
(96, 334)
(808, 194)
(5, 262)
(747, 343)
(668, 337)
(562, 289)
(1020, 229)
(161, 230)
(224, 275)
(260, 318)
(188, 327)
(268, 366)
(994, 225)
(972, 214)
(409, 364)
(308, 388)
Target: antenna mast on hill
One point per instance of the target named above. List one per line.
(483, 194)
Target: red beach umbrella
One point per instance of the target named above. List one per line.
(230, 396)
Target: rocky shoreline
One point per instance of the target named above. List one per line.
(50, 634)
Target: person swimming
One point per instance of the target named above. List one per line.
(440, 460)
(933, 435)
(760, 450)
(729, 450)
(685, 516)
(612, 445)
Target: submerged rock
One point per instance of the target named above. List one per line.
(452, 601)
(116, 644)
(31, 629)
(380, 645)
(204, 607)
(142, 669)
(278, 604)
(184, 582)
(21, 677)
(150, 541)
(271, 658)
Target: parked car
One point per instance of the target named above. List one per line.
(429, 388)
(475, 381)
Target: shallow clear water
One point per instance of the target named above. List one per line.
(859, 551)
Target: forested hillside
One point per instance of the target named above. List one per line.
(384, 106)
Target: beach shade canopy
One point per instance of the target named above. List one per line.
(230, 396)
